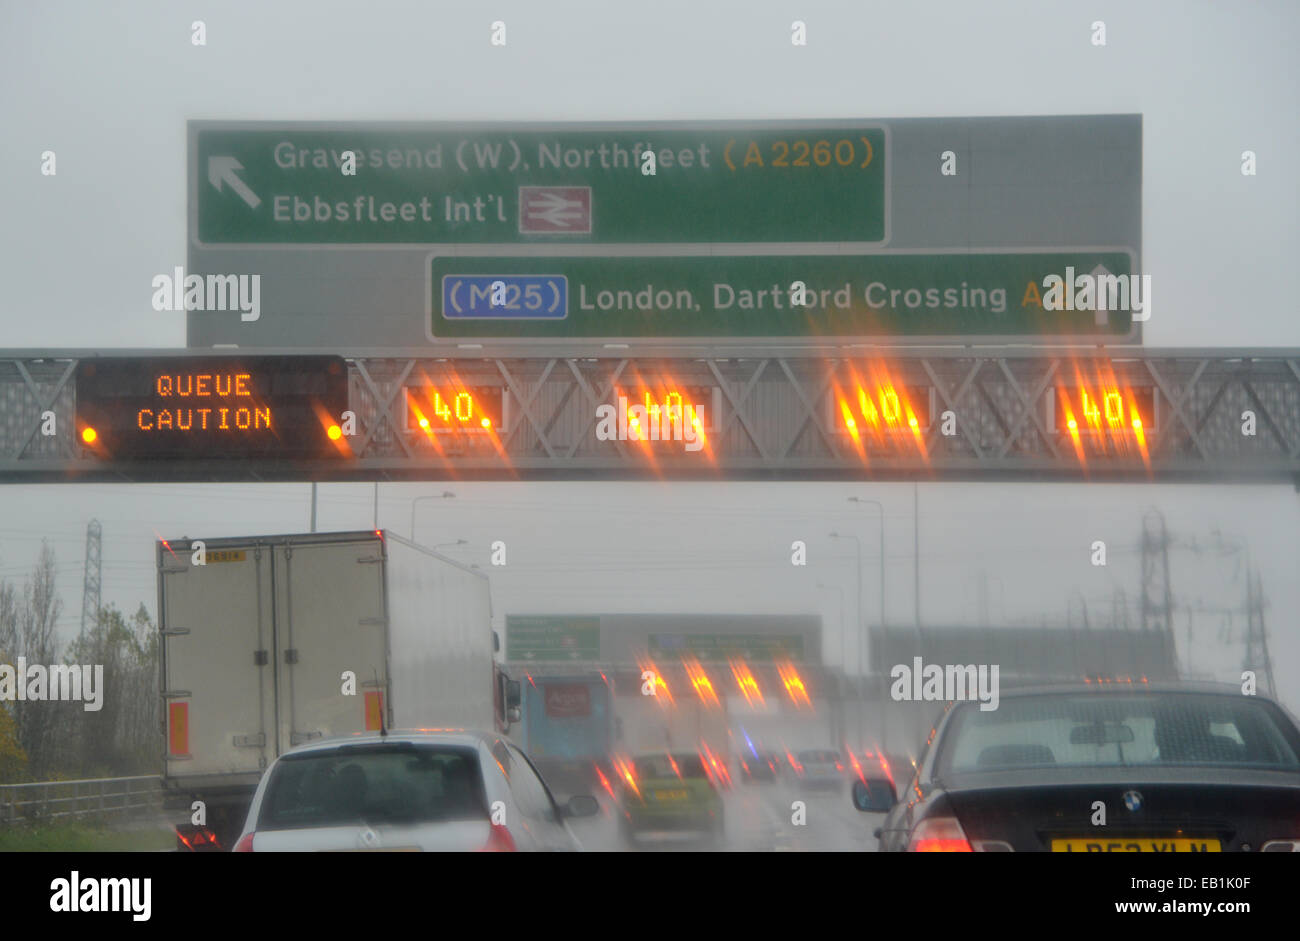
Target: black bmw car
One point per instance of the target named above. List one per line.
(1114, 767)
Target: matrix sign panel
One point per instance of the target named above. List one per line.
(211, 407)
(669, 403)
(882, 408)
(714, 647)
(1099, 410)
(436, 409)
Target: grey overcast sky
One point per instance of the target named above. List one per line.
(109, 88)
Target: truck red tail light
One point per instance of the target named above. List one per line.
(197, 839)
(245, 845)
(178, 728)
(500, 840)
(374, 710)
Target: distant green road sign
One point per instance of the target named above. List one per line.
(880, 295)
(426, 185)
(553, 637)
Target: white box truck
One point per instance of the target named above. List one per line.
(268, 642)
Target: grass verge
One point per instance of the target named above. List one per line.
(84, 837)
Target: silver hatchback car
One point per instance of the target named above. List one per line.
(821, 768)
(432, 790)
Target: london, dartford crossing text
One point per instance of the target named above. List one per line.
(877, 294)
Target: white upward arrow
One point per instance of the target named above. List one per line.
(222, 170)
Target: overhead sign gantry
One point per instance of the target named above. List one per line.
(1011, 414)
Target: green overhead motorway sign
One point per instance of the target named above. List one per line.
(881, 295)
(556, 239)
(434, 186)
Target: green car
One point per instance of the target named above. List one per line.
(671, 793)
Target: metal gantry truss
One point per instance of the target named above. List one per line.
(770, 417)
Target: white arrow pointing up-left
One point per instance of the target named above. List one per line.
(222, 170)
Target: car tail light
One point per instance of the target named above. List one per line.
(939, 835)
(245, 845)
(500, 840)
(1281, 846)
(838, 766)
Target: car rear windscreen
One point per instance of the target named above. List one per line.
(1150, 729)
(400, 783)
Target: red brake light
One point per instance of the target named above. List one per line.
(939, 835)
(245, 845)
(500, 840)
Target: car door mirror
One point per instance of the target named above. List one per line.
(582, 805)
(873, 795)
(514, 696)
(514, 714)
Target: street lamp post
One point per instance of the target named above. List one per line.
(844, 656)
(881, 510)
(441, 496)
(844, 633)
(858, 572)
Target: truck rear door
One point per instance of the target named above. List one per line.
(218, 686)
(330, 610)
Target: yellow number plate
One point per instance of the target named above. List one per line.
(671, 795)
(1136, 844)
